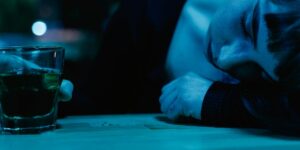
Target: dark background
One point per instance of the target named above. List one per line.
(115, 49)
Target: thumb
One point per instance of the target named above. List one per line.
(65, 91)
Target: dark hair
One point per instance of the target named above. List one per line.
(283, 40)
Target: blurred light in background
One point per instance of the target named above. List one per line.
(39, 28)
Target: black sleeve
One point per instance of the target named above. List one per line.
(223, 106)
(252, 106)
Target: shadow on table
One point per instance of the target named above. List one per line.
(261, 132)
(179, 121)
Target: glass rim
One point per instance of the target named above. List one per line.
(30, 48)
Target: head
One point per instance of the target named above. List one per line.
(258, 39)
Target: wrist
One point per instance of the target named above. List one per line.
(197, 106)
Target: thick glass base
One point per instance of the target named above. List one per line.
(34, 130)
(28, 125)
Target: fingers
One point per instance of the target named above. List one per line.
(167, 96)
(12, 63)
(169, 86)
(174, 110)
(169, 101)
(167, 89)
(172, 107)
(66, 90)
(29, 65)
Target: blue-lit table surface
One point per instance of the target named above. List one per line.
(143, 132)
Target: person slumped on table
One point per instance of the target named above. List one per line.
(246, 74)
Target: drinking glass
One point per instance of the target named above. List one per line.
(30, 78)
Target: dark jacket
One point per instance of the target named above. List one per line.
(252, 105)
